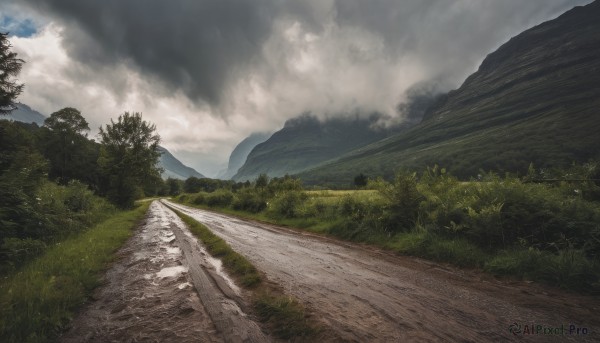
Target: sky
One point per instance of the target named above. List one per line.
(210, 73)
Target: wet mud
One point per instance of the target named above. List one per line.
(365, 294)
(152, 292)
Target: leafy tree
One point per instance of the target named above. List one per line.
(174, 186)
(10, 66)
(128, 158)
(192, 185)
(262, 181)
(361, 180)
(68, 120)
(63, 142)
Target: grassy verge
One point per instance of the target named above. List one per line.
(40, 299)
(285, 317)
(244, 272)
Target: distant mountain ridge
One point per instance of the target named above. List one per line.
(240, 153)
(535, 99)
(305, 141)
(173, 168)
(25, 114)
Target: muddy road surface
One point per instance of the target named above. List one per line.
(367, 295)
(164, 287)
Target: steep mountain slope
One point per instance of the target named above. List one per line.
(536, 99)
(25, 114)
(304, 142)
(173, 168)
(240, 153)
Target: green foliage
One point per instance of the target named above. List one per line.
(128, 158)
(55, 212)
(174, 186)
(441, 218)
(568, 269)
(10, 66)
(285, 315)
(250, 200)
(402, 201)
(220, 198)
(262, 181)
(288, 204)
(194, 185)
(361, 180)
(40, 300)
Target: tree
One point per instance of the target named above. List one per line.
(64, 143)
(128, 158)
(10, 66)
(69, 121)
(361, 180)
(174, 186)
(262, 181)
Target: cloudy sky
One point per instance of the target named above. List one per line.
(209, 73)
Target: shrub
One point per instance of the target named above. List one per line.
(568, 269)
(249, 200)
(403, 201)
(220, 198)
(199, 199)
(289, 204)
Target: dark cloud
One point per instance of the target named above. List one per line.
(203, 47)
(194, 46)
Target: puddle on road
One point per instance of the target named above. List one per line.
(218, 268)
(173, 251)
(171, 271)
(184, 285)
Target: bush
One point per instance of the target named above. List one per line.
(403, 201)
(568, 269)
(289, 204)
(220, 198)
(249, 200)
(199, 199)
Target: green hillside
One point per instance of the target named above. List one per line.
(535, 99)
(173, 168)
(304, 142)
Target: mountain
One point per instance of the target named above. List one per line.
(173, 168)
(304, 142)
(25, 114)
(535, 99)
(240, 153)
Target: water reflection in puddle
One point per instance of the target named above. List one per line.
(184, 285)
(173, 251)
(171, 271)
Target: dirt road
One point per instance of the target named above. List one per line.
(165, 288)
(368, 295)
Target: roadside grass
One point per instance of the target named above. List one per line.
(284, 316)
(38, 301)
(236, 264)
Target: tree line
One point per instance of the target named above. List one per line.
(55, 180)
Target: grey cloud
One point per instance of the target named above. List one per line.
(204, 47)
(194, 46)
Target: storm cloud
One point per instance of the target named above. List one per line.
(204, 47)
(242, 66)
